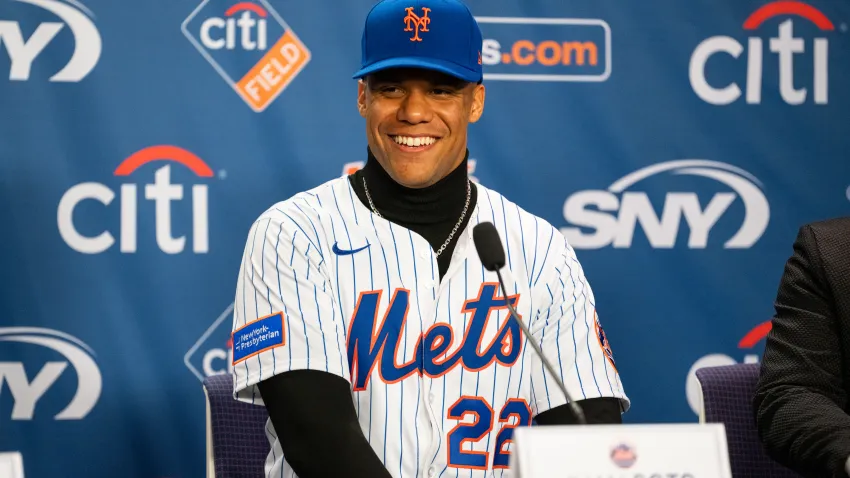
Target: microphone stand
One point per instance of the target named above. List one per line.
(579, 413)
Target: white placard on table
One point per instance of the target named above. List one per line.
(11, 465)
(621, 451)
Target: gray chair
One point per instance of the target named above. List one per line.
(11, 464)
(727, 395)
(237, 446)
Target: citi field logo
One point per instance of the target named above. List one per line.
(545, 49)
(785, 45)
(162, 192)
(746, 344)
(249, 45)
(26, 394)
(212, 354)
(612, 215)
(73, 15)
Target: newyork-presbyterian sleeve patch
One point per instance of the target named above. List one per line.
(258, 336)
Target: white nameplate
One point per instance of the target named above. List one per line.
(621, 451)
(11, 465)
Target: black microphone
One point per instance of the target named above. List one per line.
(492, 255)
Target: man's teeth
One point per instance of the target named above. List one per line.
(417, 141)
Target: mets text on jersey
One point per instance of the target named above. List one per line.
(249, 45)
(365, 347)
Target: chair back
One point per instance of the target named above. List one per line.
(237, 445)
(727, 396)
(11, 464)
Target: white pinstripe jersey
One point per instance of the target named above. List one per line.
(440, 374)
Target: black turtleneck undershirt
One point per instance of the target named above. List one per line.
(312, 411)
(431, 212)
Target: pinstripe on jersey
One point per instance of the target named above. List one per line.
(440, 376)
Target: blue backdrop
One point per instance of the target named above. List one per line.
(678, 145)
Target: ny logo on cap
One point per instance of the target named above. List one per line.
(413, 21)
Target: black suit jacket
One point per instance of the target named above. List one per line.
(801, 404)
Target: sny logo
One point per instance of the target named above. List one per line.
(617, 227)
(27, 394)
(255, 67)
(22, 53)
(418, 23)
(785, 45)
(368, 347)
(162, 192)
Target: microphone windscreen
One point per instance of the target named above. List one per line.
(489, 246)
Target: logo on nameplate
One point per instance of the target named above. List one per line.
(623, 456)
(249, 45)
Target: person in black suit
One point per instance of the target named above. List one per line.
(803, 395)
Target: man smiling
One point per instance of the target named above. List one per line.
(375, 338)
(416, 122)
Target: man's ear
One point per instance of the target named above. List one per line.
(477, 109)
(361, 97)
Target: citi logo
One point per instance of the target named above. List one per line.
(612, 215)
(162, 192)
(22, 53)
(212, 353)
(218, 33)
(26, 394)
(785, 45)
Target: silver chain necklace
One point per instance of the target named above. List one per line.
(454, 229)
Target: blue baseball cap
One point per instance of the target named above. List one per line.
(439, 35)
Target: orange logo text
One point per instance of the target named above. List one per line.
(415, 23)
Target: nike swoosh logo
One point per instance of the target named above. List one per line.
(345, 252)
